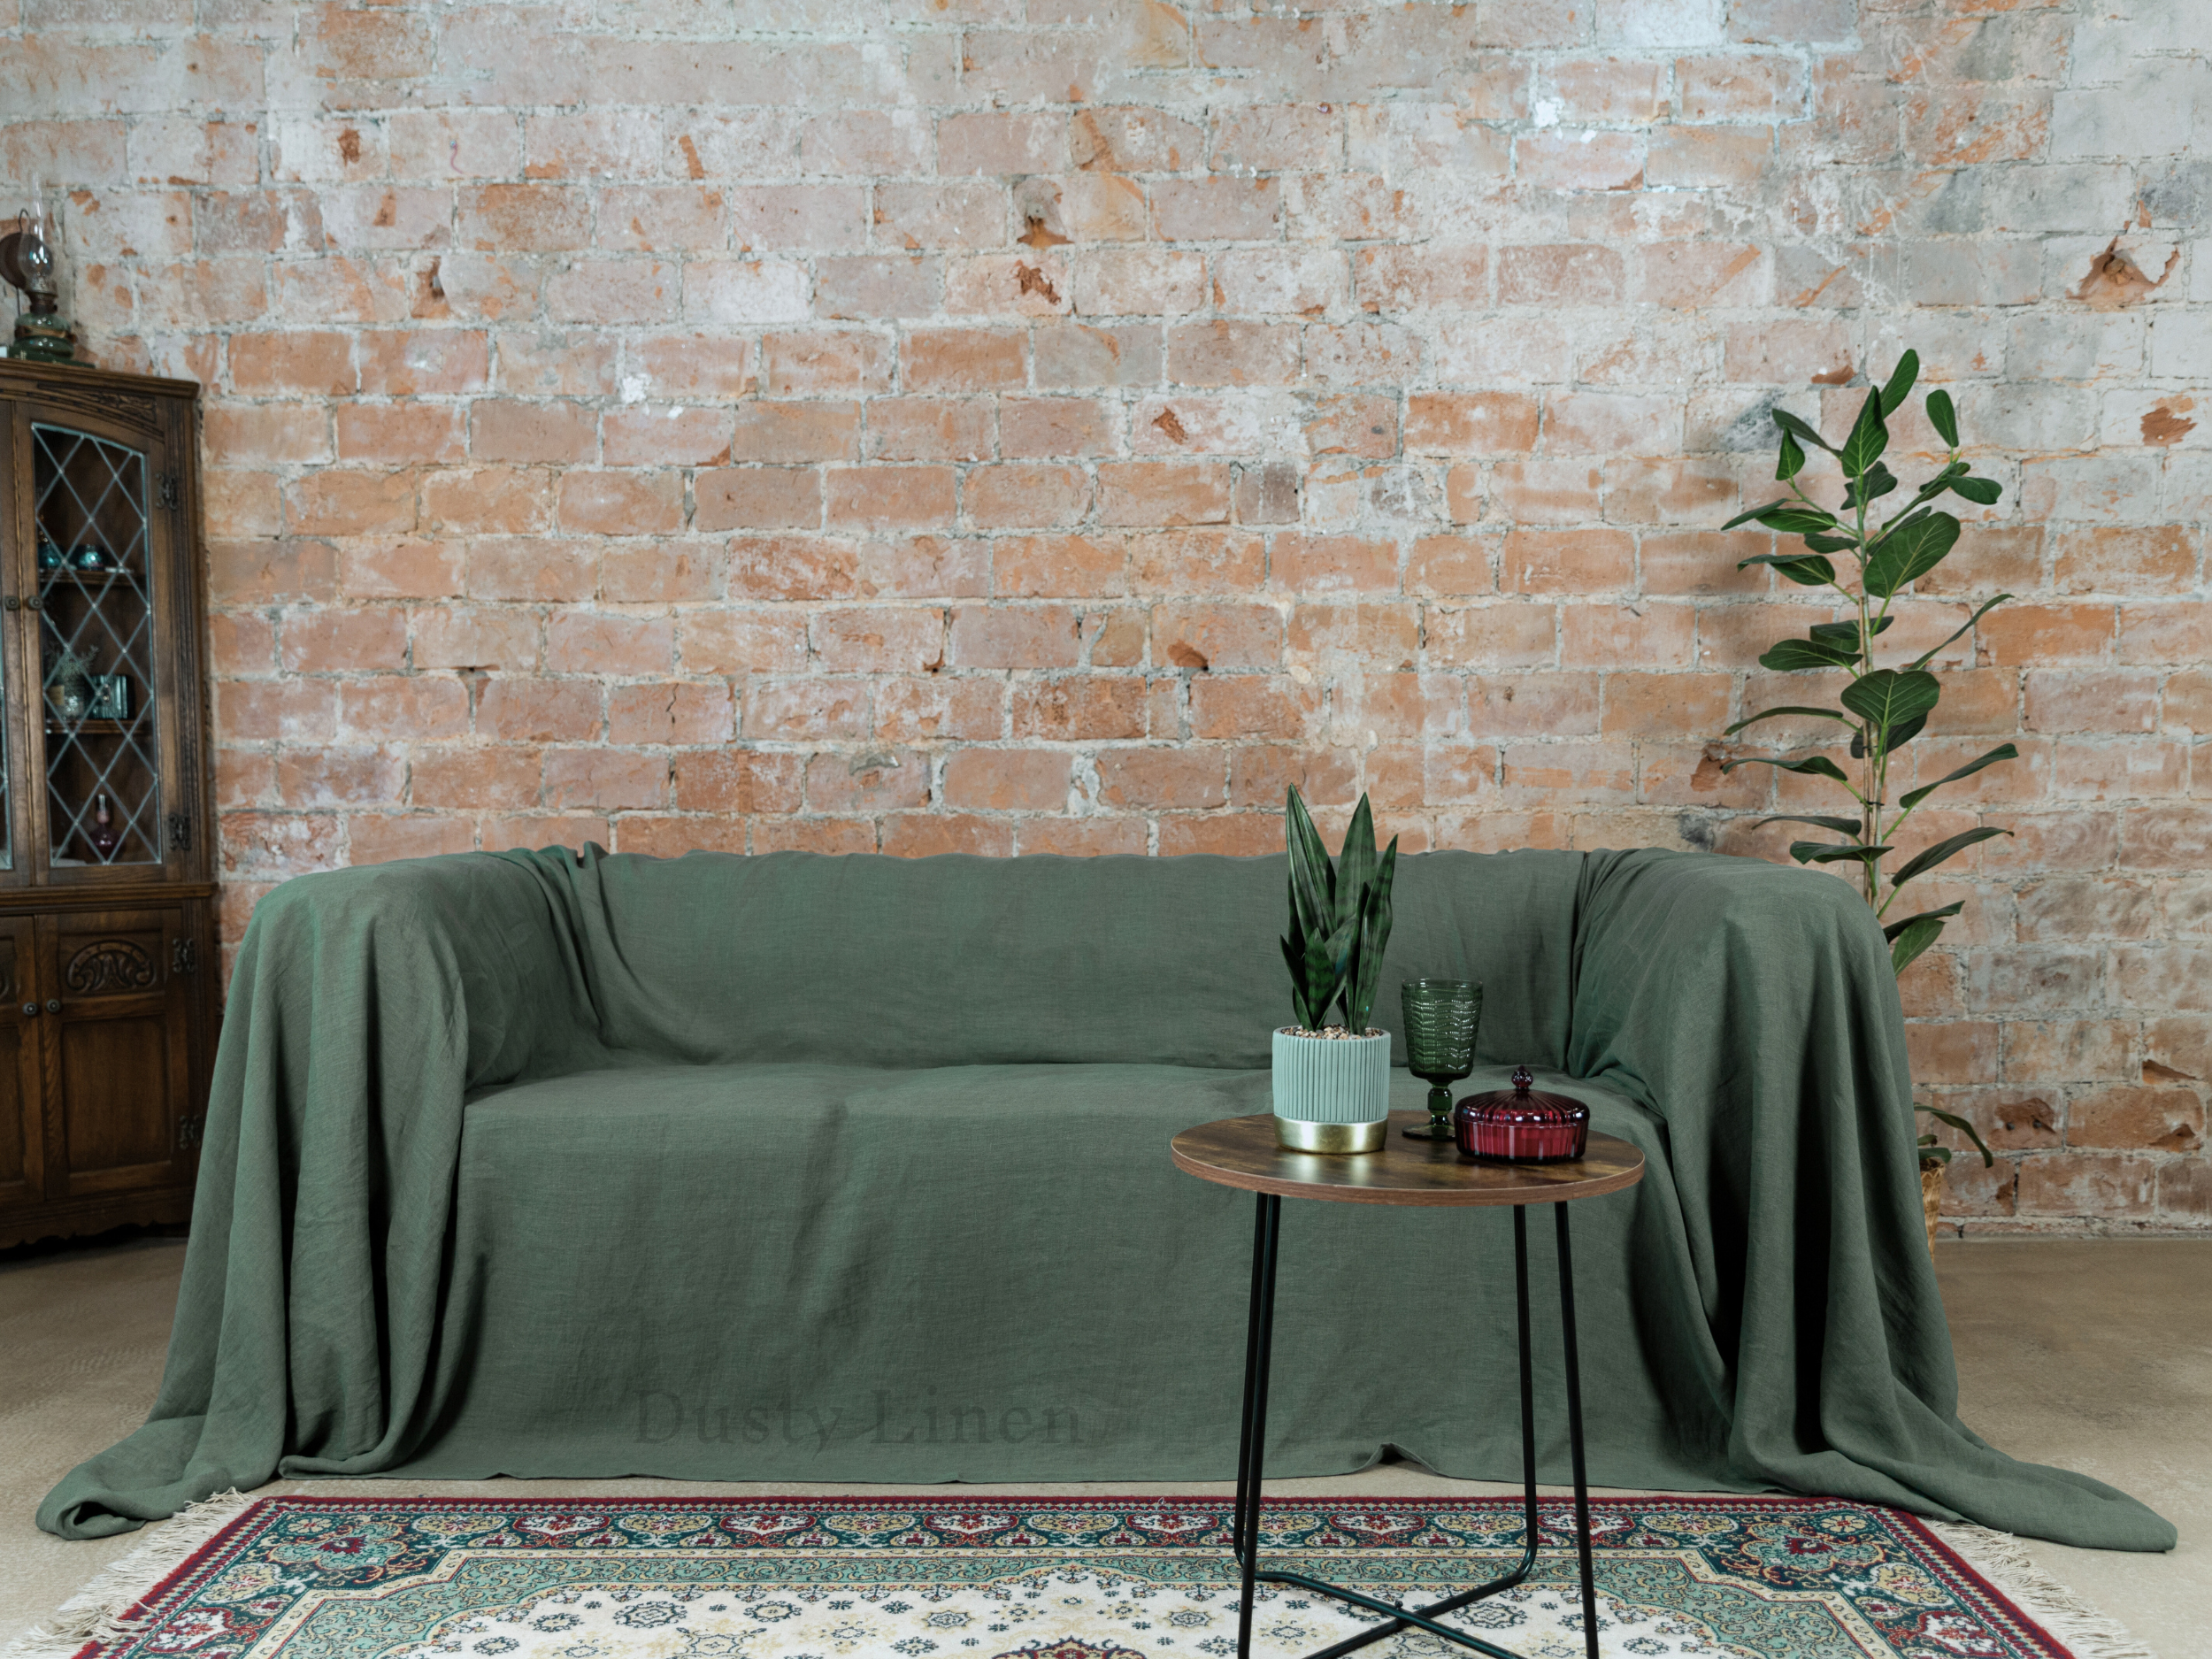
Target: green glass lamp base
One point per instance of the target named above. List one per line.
(41, 339)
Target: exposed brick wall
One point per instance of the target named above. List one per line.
(966, 424)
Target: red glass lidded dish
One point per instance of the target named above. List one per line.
(1520, 1125)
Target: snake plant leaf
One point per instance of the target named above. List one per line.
(1876, 482)
(1942, 417)
(1894, 737)
(1902, 923)
(1295, 957)
(1916, 937)
(1841, 825)
(1929, 656)
(1869, 438)
(1886, 698)
(1982, 492)
(1901, 382)
(1787, 656)
(1355, 864)
(1786, 708)
(1359, 991)
(1749, 513)
(1312, 879)
(1791, 459)
(1928, 857)
(1791, 426)
(1811, 765)
(1912, 549)
(1832, 853)
(1914, 797)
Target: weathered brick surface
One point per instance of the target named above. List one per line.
(1053, 429)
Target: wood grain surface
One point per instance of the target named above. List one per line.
(1241, 1152)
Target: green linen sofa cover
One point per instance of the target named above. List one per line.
(797, 1167)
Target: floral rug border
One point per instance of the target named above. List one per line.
(1986, 1570)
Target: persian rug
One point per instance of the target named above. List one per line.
(1743, 1578)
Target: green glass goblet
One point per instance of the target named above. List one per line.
(1441, 1016)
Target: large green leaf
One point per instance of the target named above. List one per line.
(1749, 513)
(1912, 549)
(1799, 430)
(1919, 934)
(1901, 382)
(1832, 543)
(1914, 797)
(1869, 438)
(1812, 766)
(1877, 482)
(1841, 825)
(1788, 657)
(1787, 708)
(1928, 858)
(1981, 491)
(1832, 853)
(1886, 698)
(1797, 519)
(1791, 459)
(1893, 738)
(1902, 923)
(1845, 635)
(1811, 571)
(1926, 657)
(1964, 1127)
(1942, 417)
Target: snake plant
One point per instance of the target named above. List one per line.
(1339, 918)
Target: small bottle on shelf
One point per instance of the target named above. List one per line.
(106, 834)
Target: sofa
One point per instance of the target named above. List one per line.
(856, 1168)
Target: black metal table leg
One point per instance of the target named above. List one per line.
(1252, 1436)
(1245, 1530)
(1574, 1432)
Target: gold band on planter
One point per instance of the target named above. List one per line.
(1300, 1136)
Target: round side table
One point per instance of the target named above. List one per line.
(1241, 1152)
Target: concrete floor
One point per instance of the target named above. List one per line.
(2096, 1355)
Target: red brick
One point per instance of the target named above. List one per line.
(424, 361)
(581, 642)
(671, 711)
(737, 780)
(758, 499)
(492, 500)
(1056, 425)
(820, 362)
(1215, 636)
(1159, 492)
(342, 501)
(792, 567)
(833, 785)
(623, 503)
(927, 835)
(1150, 778)
(1332, 563)
(660, 572)
(1567, 561)
(604, 777)
(1078, 709)
(929, 706)
(501, 429)
(375, 838)
(1014, 636)
(1024, 494)
(1078, 837)
(887, 498)
(400, 433)
(1009, 779)
(964, 359)
(1482, 422)
(518, 567)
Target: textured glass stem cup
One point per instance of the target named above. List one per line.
(1441, 1019)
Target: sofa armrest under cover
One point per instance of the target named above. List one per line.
(1753, 1007)
(365, 1005)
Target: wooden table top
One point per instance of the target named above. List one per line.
(1242, 1152)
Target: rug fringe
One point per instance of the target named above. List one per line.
(2087, 1632)
(101, 1612)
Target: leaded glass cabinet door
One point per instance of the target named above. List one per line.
(100, 782)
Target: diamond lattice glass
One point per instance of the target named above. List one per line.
(96, 650)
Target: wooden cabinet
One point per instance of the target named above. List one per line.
(106, 893)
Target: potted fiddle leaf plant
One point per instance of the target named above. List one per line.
(1331, 1077)
(1882, 707)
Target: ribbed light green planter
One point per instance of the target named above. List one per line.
(1332, 1081)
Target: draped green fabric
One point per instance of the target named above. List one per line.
(856, 1168)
